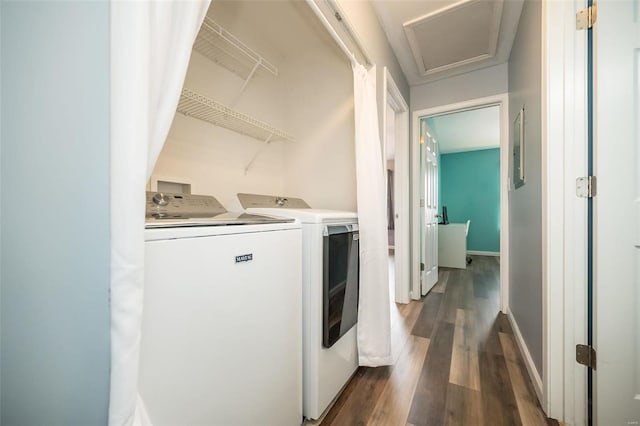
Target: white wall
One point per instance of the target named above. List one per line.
(320, 167)
(311, 98)
(477, 84)
(525, 203)
(213, 159)
(55, 213)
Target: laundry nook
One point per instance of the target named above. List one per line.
(319, 213)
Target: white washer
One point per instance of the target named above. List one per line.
(325, 370)
(221, 330)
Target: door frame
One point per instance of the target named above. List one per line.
(564, 215)
(393, 97)
(501, 100)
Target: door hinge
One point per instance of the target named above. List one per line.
(585, 18)
(421, 266)
(586, 186)
(586, 355)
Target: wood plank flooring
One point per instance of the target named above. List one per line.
(456, 362)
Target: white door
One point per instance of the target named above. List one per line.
(617, 213)
(429, 210)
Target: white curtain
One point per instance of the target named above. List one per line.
(374, 324)
(150, 48)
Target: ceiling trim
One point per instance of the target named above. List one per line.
(461, 150)
(414, 45)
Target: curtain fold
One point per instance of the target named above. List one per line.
(150, 49)
(374, 324)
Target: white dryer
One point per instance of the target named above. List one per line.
(330, 275)
(221, 328)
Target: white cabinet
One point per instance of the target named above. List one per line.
(452, 245)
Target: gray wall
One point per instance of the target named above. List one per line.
(370, 33)
(477, 84)
(374, 40)
(525, 203)
(54, 175)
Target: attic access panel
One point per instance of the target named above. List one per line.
(456, 35)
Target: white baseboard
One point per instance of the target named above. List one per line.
(528, 360)
(483, 253)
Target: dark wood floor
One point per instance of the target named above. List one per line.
(456, 362)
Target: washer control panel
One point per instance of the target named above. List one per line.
(163, 204)
(257, 200)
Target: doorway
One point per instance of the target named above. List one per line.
(391, 195)
(468, 182)
(395, 142)
(419, 245)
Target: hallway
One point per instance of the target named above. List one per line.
(456, 362)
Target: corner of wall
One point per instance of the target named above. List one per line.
(372, 36)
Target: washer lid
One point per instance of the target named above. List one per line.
(295, 208)
(223, 219)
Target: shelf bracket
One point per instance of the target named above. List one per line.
(255, 156)
(246, 81)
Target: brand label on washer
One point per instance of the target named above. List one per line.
(244, 258)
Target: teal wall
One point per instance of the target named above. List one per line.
(54, 210)
(470, 188)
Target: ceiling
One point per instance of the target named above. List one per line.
(466, 131)
(434, 39)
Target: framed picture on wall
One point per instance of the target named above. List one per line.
(518, 149)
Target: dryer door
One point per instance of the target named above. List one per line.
(341, 264)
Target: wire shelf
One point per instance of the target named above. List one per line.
(223, 48)
(194, 105)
